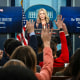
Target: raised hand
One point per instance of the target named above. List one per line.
(59, 21)
(30, 26)
(46, 36)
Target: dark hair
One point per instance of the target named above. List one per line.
(40, 43)
(17, 72)
(73, 68)
(27, 55)
(76, 63)
(54, 39)
(14, 62)
(12, 46)
(7, 42)
(53, 46)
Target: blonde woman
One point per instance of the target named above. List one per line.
(42, 19)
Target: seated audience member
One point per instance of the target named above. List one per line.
(16, 70)
(3, 57)
(64, 56)
(75, 65)
(28, 56)
(12, 46)
(6, 43)
(14, 62)
(73, 69)
(42, 19)
(31, 35)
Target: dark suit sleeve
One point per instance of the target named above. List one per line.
(33, 43)
(69, 43)
(35, 25)
(51, 24)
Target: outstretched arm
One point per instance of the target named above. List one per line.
(46, 71)
(64, 57)
(32, 37)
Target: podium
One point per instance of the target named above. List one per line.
(55, 32)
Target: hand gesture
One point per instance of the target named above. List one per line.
(30, 26)
(46, 36)
(59, 21)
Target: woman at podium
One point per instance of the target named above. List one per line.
(42, 19)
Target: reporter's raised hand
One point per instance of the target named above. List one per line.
(59, 21)
(46, 36)
(30, 26)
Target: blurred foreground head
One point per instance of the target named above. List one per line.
(16, 70)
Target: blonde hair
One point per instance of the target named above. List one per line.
(46, 18)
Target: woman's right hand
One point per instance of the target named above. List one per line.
(59, 21)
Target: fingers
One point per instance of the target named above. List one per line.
(30, 21)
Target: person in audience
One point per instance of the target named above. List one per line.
(68, 37)
(31, 35)
(3, 53)
(75, 65)
(64, 56)
(6, 43)
(28, 56)
(15, 43)
(42, 19)
(58, 53)
(12, 46)
(2, 61)
(16, 70)
(14, 62)
(73, 69)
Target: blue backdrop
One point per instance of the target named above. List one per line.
(10, 19)
(71, 17)
(31, 12)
